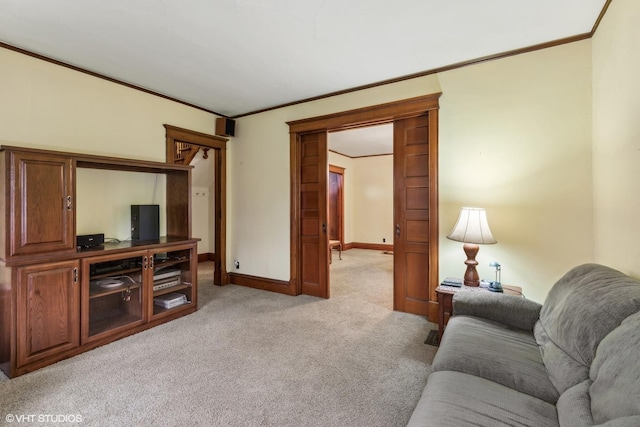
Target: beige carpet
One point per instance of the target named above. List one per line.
(250, 358)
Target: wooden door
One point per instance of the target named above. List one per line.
(314, 248)
(412, 196)
(48, 310)
(336, 206)
(42, 214)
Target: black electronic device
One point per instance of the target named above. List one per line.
(225, 126)
(145, 222)
(116, 266)
(495, 287)
(89, 240)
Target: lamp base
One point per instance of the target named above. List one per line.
(471, 277)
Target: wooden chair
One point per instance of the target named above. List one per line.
(335, 244)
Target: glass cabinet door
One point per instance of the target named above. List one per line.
(173, 279)
(112, 294)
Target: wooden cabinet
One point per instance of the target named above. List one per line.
(47, 310)
(42, 203)
(56, 300)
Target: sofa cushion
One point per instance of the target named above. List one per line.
(585, 305)
(615, 373)
(510, 310)
(493, 351)
(455, 399)
(563, 370)
(574, 406)
(633, 421)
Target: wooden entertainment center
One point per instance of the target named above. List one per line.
(57, 300)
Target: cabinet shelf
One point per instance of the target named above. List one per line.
(157, 265)
(116, 273)
(171, 289)
(96, 291)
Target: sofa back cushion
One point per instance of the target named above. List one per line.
(563, 370)
(587, 303)
(615, 372)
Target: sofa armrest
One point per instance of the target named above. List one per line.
(511, 310)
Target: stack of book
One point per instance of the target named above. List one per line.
(452, 281)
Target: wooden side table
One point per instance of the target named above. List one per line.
(445, 300)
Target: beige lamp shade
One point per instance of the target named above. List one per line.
(472, 227)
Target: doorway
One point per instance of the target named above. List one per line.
(336, 203)
(364, 159)
(178, 139)
(415, 123)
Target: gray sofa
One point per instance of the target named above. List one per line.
(509, 361)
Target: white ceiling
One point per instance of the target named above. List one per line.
(238, 56)
(369, 141)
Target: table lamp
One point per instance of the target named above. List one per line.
(472, 229)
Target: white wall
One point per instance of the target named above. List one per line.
(616, 137)
(104, 199)
(515, 138)
(373, 199)
(368, 197)
(47, 106)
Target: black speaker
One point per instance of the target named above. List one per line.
(225, 126)
(145, 222)
(89, 240)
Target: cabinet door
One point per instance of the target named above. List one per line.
(112, 294)
(42, 213)
(174, 280)
(48, 310)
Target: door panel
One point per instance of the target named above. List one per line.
(411, 214)
(314, 268)
(43, 213)
(48, 310)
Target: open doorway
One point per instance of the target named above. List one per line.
(203, 203)
(360, 190)
(181, 146)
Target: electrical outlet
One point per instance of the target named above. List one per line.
(237, 264)
(384, 240)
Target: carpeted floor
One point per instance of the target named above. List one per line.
(249, 358)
